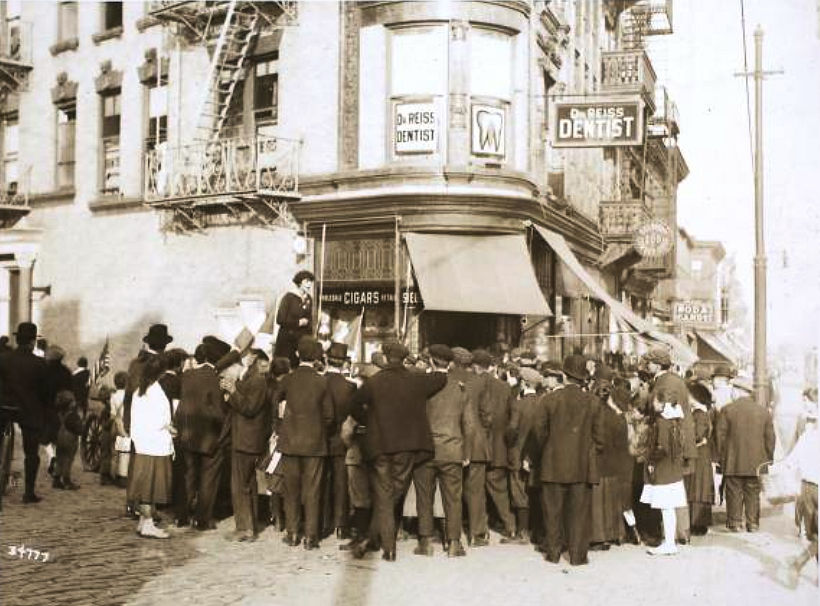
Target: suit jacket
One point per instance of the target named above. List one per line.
(745, 437)
(251, 422)
(340, 394)
(672, 382)
(201, 414)
(394, 401)
(523, 414)
(292, 308)
(573, 437)
(497, 397)
(24, 387)
(479, 444)
(615, 460)
(308, 414)
(452, 423)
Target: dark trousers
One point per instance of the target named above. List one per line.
(569, 507)
(203, 474)
(303, 487)
(475, 481)
(31, 451)
(341, 502)
(498, 489)
(518, 489)
(243, 490)
(449, 477)
(742, 492)
(65, 459)
(391, 474)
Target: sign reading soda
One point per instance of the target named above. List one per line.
(601, 123)
(653, 239)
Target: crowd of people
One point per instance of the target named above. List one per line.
(568, 457)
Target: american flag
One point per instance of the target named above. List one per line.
(101, 366)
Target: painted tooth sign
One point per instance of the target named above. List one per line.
(488, 130)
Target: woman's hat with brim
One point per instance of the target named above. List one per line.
(700, 392)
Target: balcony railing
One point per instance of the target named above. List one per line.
(263, 166)
(619, 220)
(13, 207)
(629, 71)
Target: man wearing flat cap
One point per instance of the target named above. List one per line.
(339, 393)
(745, 441)
(295, 316)
(452, 425)
(24, 389)
(393, 404)
(303, 438)
(573, 438)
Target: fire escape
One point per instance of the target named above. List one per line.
(15, 67)
(214, 179)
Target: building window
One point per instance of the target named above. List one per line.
(67, 21)
(66, 129)
(111, 142)
(11, 148)
(157, 116)
(697, 269)
(233, 126)
(112, 15)
(266, 91)
(491, 83)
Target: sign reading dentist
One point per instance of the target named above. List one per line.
(415, 128)
(598, 123)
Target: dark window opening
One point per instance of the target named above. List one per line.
(112, 15)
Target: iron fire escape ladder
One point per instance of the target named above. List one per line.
(235, 37)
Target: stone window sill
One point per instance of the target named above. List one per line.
(143, 23)
(64, 45)
(52, 198)
(114, 32)
(105, 202)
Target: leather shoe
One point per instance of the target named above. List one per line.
(752, 528)
(481, 540)
(515, 539)
(456, 550)
(31, 498)
(389, 555)
(311, 544)
(733, 529)
(552, 559)
(599, 547)
(290, 539)
(350, 546)
(424, 547)
(342, 533)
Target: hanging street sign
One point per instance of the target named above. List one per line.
(599, 123)
(653, 238)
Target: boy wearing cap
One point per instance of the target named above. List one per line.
(452, 425)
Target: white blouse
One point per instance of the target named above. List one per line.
(150, 420)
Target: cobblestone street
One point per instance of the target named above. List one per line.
(96, 558)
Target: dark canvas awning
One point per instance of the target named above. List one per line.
(716, 348)
(681, 353)
(480, 274)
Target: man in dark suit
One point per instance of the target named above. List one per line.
(201, 420)
(303, 436)
(81, 385)
(24, 391)
(393, 406)
(573, 436)
(452, 425)
(339, 392)
(251, 425)
(745, 440)
(294, 317)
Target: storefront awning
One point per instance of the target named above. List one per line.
(622, 255)
(479, 274)
(681, 353)
(715, 345)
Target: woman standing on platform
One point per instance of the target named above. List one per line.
(152, 433)
(294, 317)
(700, 485)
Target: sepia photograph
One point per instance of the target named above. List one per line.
(409, 302)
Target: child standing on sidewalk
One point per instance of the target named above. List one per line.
(68, 440)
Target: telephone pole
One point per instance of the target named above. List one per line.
(760, 368)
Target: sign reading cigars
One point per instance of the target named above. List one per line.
(601, 123)
(368, 296)
(415, 128)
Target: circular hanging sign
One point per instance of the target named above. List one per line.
(653, 238)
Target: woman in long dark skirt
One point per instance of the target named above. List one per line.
(700, 485)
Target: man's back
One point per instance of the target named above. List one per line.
(24, 386)
(200, 416)
(745, 436)
(451, 422)
(307, 413)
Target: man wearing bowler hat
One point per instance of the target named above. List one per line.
(395, 400)
(295, 316)
(573, 437)
(24, 390)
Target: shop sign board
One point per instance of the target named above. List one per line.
(368, 296)
(488, 130)
(416, 128)
(653, 239)
(600, 123)
(698, 313)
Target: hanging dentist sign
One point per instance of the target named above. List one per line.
(600, 123)
(488, 130)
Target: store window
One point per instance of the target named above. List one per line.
(266, 91)
(111, 142)
(66, 133)
(491, 75)
(418, 89)
(11, 148)
(112, 15)
(67, 21)
(157, 116)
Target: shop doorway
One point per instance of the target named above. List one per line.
(470, 330)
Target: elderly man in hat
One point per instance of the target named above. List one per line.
(303, 438)
(339, 394)
(452, 424)
(520, 438)
(721, 385)
(745, 441)
(573, 438)
(24, 391)
(393, 403)
(295, 316)
(251, 425)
